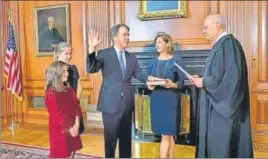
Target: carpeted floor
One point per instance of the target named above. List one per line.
(11, 150)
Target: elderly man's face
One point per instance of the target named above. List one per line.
(51, 23)
(210, 29)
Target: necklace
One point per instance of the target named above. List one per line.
(157, 71)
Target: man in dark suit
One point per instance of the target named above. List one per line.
(116, 97)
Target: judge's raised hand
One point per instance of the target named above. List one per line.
(93, 41)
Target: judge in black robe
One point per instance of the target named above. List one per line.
(224, 110)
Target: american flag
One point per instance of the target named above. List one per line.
(12, 64)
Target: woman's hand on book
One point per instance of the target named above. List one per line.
(149, 86)
(170, 84)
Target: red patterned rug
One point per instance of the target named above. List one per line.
(12, 150)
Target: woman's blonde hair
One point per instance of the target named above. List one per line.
(59, 49)
(167, 38)
(54, 76)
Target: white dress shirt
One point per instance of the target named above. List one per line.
(118, 54)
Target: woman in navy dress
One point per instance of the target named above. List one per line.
(165, 100)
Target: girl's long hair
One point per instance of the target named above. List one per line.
(54, 76)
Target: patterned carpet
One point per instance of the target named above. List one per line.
(11, 150)
(94, 119)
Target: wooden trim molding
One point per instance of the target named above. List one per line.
(260, 147)
(207, 8)
(193, 41)
(260, 132)
(122, 12)
(262, 38)
(259, 90)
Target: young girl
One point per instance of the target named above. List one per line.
(64, 112)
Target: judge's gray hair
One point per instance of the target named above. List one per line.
(222, 21)
(218, 18)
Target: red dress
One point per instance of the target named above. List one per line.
(62, 108)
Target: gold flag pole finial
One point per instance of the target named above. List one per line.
(9, 14)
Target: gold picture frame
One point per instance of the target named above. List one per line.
(51, 26)
(179, 11)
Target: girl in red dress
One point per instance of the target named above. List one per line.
(64, 112)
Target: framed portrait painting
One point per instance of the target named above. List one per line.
(155, 9)
(52, 26)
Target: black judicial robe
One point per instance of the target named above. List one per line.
(224, 112)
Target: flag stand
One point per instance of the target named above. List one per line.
(12, 125)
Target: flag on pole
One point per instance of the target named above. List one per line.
(12, 64)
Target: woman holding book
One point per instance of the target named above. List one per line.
(165, 97)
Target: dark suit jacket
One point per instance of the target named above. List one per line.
(113, 82)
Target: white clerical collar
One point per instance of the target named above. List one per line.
(221, 35)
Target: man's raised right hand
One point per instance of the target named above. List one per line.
(93, 41)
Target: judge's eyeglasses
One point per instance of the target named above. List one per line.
(206, 27)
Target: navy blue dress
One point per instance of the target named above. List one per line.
(73, 77)
(73, 81)
(165, 103)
